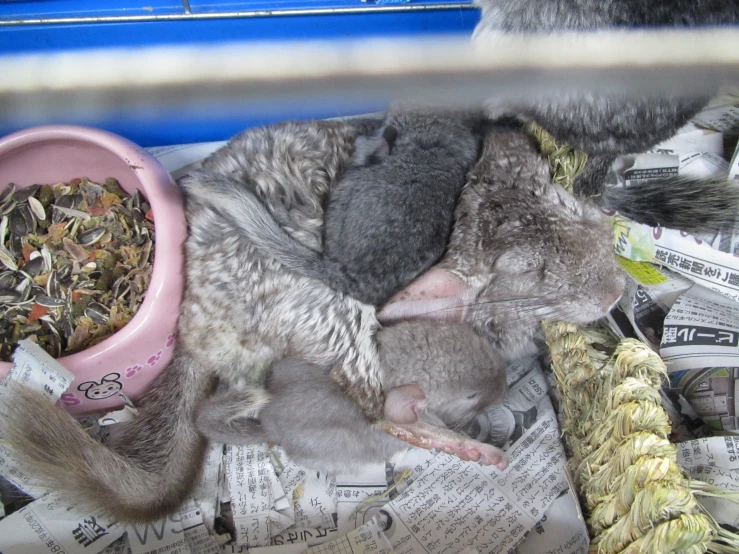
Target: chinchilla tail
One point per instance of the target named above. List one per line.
(142, 474)
(693, 205)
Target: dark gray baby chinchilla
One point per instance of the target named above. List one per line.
(523, 250)
(436, 375)
(390, 217)
(606, 125)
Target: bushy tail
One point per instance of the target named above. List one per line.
(252, 219)
(143, 474)
(227, 417)
(694, 205)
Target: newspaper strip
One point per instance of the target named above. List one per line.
(701, 330)
(313, 494)
(646, 306)
(280, 501)
(352, 491)
(691, 138)
(119, 546)
(721, 114)
(306, 537)
(249, 474)
(158, 537)
(558, 532)
(127, 413)
(182, 533)
(680, 252)
(296, 548)
(691, 152)
(50, 525)
(455, 504)
(34, 368)
(714, 460)
(197, 535)
(251, 496)
(637, 169)
(206, 489)
(700, 346)
(703, 164)
(367, 539)
(734, 164)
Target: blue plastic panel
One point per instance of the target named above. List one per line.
(83, 8)
(216, 6)
(98, 35)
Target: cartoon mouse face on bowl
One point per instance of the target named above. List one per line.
(107, 387)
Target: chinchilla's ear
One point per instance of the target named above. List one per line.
(370, 150)
(436, 294)
(403, 403)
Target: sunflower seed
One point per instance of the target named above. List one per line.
(53, 287)
(7, 259)
(21, 195)
(7, 193)
(15, 245)
(22, 221)
(69, 212)
(9, 206)
(49, 301)
(37, 208)
(97, 312)
(34, 266)
(46, 255)
(91, 236)
(10, 296)
(75, 250)
(64, 201)
(7, 279)
(64, 273)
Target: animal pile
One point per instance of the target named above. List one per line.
(446, 216)
(441, 216)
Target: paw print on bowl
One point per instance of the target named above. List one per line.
(170, 341)
(153, 359)
(133, 370)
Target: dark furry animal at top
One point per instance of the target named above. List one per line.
(608, 125)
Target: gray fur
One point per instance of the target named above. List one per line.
(522, 250)
(694, 205)
(389, 218)
(606, 125)
(320, 427)
(240, 313)
(547, 16)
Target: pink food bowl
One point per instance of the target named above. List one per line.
(129, 360)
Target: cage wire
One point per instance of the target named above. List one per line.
(254, 77)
